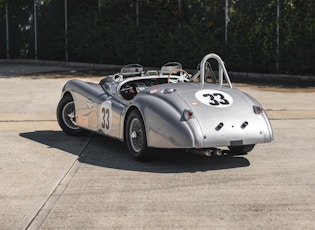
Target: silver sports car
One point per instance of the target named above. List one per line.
(166, 108)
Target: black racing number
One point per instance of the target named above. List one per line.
(212, 99)
(222, 101)
(105, 118)
(217, 99)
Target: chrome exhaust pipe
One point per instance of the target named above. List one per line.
(207, 152)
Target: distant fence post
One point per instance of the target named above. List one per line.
(66, 29)
(226, 20)
(137, 13)
(35, 28)
(278, 35)
(7, 29)
(99, 9)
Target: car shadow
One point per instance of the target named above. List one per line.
(107, 152)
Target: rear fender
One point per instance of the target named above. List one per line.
(164, 124)
(87, 97)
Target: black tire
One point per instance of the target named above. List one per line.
(135, 136)
(242, 149)
(66, 117)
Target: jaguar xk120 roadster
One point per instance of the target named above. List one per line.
(166, 108)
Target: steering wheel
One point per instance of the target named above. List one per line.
(185, 77)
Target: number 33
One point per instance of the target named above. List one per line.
(106, 116)
(217, 99)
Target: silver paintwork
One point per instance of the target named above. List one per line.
(222, 115)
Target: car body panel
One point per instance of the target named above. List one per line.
(220, 114)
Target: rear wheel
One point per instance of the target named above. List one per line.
(135, 136)
(66, 117)
(242, 149)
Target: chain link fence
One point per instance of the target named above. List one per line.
(274, 36)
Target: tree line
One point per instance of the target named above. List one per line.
(271, 36)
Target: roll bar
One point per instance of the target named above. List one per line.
(222, 70)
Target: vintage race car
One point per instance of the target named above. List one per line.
(167, 108)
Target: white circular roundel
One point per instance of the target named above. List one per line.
(214, 98)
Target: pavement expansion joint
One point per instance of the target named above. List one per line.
(41, 208)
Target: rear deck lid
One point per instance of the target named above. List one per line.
(224, 114)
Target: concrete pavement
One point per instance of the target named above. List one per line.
(49, 180)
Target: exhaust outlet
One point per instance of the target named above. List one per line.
(207, 152)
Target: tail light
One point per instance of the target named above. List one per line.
(257, 109)
(188, 114)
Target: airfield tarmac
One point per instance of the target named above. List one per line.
(49, 180)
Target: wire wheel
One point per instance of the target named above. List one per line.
(68, 115)
(136, 136)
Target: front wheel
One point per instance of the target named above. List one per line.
(242, 149)
(66, 117)
(135, 136)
